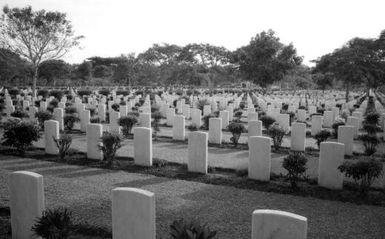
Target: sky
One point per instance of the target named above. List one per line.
(115, 27)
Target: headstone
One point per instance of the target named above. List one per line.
(196, 117)
(206, 110)
(133, 214)
(224, 115)
(259, 158)
(273, 224)
(123, 110)
(331, 156)
(215, 130)
(143, 146)
(316, 124)
(94, 133)
(298, 136)
(114, 126)
(85, 118)
(355, 122)
(346, 137)
(102, 112)
(145, 120)
(197, 152)
(26, 194)
(58, 114)
(170, 116)
(284, 121)
(328, 119)
(43, 106)
(178, 128)
(254, 128)
(252, 116)
(51, 132)
(301, 114)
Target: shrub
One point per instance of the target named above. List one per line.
(54, 103)
(127, 122)
(159, 163)
(82, 93)
(43, 116)
(155, 123)
(58, 94)
(115, 107)
(236, 129)
(335, 126)
(321, 136)
(105, 92)
(111, 142)
(19, 114)
(371, 129)
(122, 92)
(95, 120)
(69, 121)
(190, 230)
(192, 127)
(242, 105)
(63, 143)
(372, 118)
(206, 120)
(43, 93)
(267, 121)
(295, 164)
(20, 134)
(276, 132)
(13, 92)
(363, 171)
(238, 115)
(370, 143)
(70, 110)
(54, 224)
(202, 103)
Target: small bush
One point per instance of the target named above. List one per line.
(181, 229)
(295, 164)
(370, 143)
(335, 126)
(372, 118)
(238, 115)
(58, 94)
(202, 103)
(363, 171)
(236, 129)
(20, 134)
(43, 93)
(69, 121)
(371, 129)
(122, 92)
(19, 114)
(70, 110)
(82, 93)
(111, 142)
(54, 224)
(276, 132)
(127, 122)
(321, 136)
(95, 120)
(53, 103)
(206, 120)
(192, 127)
(105, 92)
(155, 123)
(159, 163)
(115, 107)
(267, 121)
(63, 143)
(43, 116)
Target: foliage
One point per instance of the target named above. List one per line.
(51, 70)
(69, 121)
(70, 110)
(111, 142)
(266, 60)
(295, 164)
(321, 136)
(20, 134)
(372, 118)
(238, 115)
(371, 129)
(43, 116)
(58, 94)
(192, 127)
(63, 143)
(370, 143)
(206, 120)
(19, 114)
(127, 122)
(155, 123)
(122, 92)
(82, 93)
(267, 121)
(363, 171)
(276, 132)
(335, 126)
(236, 129)
(104, 92)
(202, 103)
(54, 224)
(181, 229)
(36, 35)
(43, 92)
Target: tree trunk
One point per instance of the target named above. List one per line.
(34, 80)
(347, 92)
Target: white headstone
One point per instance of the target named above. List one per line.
(215, 130)
(259, 158)
(331, 156)
(143, 146)
(298, 136)
(178, 128)
(197, 152)
(51, 132)
(94, 133)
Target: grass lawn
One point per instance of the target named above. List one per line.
(86, 192)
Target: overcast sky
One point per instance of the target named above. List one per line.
(114, 27)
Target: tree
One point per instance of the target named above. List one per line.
(102, 71)
(265, 60)
(359, 61)
(12, 66)
(84, 71)
(36, 35)
(323, 80)
(54, 69)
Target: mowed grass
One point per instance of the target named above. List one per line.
(86, 192)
